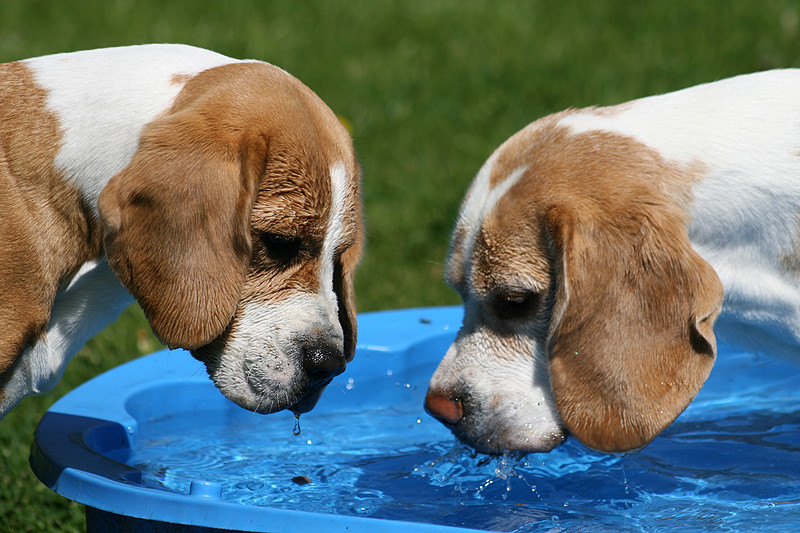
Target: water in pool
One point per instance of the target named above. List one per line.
(730, 462)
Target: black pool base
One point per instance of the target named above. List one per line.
(98, 521)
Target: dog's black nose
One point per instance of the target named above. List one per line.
(322, 361)
(443, 408)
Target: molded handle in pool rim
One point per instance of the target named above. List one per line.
(69, 441)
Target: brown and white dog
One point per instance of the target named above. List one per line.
(222, 194)
(591, 253)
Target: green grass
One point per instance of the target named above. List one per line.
(430, 88)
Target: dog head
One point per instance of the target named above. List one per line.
(237, 227)
(586, 310)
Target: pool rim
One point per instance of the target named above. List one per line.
(64, 456)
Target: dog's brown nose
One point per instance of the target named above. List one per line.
(443, 408)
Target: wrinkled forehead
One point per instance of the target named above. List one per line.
(312, 198)
(509, 165)
(501, 219)
(311, 165)
(498, 243)
(317, 224)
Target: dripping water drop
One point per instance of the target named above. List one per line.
(296, 429)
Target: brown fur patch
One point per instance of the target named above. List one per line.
(790, 260)
(595, 153)
(180, 79)
(46, 231)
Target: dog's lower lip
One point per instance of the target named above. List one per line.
(543, 444)
(310, 398)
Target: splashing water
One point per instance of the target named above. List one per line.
(730, 460)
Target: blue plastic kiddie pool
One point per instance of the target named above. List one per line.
(152, 446)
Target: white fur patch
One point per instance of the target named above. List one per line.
(333, 237)
(91, 300)
(505, 385)
(261, 367)
(103, 98)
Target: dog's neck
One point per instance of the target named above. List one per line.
(90, 300)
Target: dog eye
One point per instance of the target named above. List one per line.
(281, 248)
(515, 304)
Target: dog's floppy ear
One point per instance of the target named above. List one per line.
(176, 223)
(632, 338)
(343, 285)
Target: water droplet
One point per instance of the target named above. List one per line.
(296, 429)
